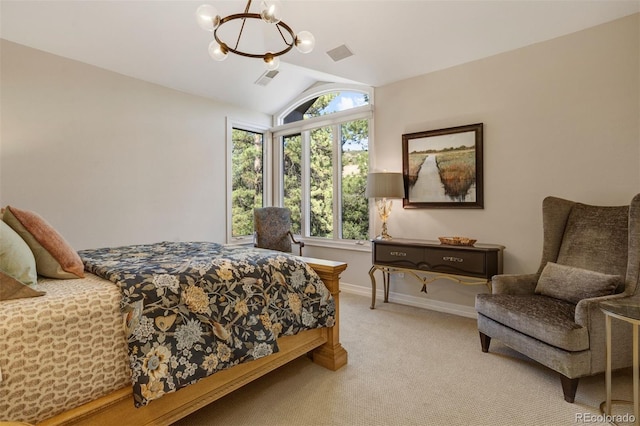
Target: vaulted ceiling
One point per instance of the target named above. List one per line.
(160, 42)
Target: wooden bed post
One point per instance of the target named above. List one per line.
(331, 355)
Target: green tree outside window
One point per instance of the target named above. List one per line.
(247, 184)
(351, 140)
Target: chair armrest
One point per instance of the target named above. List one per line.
(514, 283)
(300, 243)
(294, 240)
(589, 315)
(588, 310)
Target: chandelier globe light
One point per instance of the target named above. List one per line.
(270, 12)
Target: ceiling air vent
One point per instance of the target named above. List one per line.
(266, 78)
(339, 53)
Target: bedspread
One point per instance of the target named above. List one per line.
(61, 350)
(196, 308)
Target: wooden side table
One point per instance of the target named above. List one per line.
(470, 265)
(624, 310)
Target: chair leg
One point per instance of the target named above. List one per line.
(569, 388)
(485, 341)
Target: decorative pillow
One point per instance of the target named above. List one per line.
(55, 258)
(10, 288)
(574, 284)
(16, 259)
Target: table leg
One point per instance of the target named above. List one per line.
(385, 274)
(607, 381)
(373, 286)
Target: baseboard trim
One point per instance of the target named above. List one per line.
(405, 299)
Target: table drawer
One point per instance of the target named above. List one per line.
(460, 262)
(398, 255)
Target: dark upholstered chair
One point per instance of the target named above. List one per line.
(590, 254)
(273, 229)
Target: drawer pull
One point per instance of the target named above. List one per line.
(452, 259)
(398, 253)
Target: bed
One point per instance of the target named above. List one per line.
(67, 357)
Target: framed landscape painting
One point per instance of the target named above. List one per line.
(443, 168)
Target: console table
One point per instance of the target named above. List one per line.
(469, 265)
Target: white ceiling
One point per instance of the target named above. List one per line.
(160, 42)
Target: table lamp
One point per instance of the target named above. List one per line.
(384, 186)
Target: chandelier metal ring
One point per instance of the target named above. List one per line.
(210, 20)
(280, 25)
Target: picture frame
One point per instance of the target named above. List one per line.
(442, 168)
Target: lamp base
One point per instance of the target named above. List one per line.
(384, 235)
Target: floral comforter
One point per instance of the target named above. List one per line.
(196, 308)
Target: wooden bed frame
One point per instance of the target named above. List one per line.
(323, 344)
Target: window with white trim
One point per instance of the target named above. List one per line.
(321, 162)
(247, 163)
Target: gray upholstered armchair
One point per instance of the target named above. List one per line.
(590, 254)
(273, 229)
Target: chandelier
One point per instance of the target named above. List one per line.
(209, 20)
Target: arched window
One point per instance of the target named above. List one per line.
(326, 103)
(321, 161)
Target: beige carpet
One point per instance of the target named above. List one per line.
(411, 366)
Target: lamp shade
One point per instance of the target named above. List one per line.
(385, 185)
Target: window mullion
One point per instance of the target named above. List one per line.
(305, 214)
(267, 170)
(337, 182)
(277, 172)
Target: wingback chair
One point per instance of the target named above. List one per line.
(273, 229)
(590, 254)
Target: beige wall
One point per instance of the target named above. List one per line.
(560, 118)
(109, 159)
(112, 160)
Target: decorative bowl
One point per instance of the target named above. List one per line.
(457, 241)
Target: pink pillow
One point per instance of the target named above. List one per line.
(55, 258)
